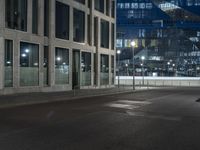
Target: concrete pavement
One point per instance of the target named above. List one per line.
(160, 119)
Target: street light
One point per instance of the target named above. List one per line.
(133, 44)
(118, 53)
(143, 58)
(168, 63)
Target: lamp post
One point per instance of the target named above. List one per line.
(118, 53)
(127, 69)
(143, 58)
(133, 46)
(168, 63)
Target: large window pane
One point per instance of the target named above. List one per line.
(8, 64)
(81, 1)
(99, 5)
(88, 30)
(61, 66)
(113, 9)
(104, 34)
(62, 21)
(113, 37)
(16, 14)
(95, 30)
(35, 16)
(46, 64)
(46, 17)
(104, 75)
(29, 64)
(79, 26)
(86, 68)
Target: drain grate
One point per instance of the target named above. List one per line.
(198, 100)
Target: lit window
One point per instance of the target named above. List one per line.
(142, 5)
(127, 5)
(134, 5)
(149, 5)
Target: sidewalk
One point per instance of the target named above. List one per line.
(38, 98)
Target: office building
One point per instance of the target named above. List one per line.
(56, 45)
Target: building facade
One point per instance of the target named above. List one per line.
(167, 33)
(56, 45)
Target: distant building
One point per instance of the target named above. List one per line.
(165, 31)
(56, 45)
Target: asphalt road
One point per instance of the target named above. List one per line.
(165, 119)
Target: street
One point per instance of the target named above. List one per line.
(159, 119)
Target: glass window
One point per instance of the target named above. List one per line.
(127, 5)
(46, 17)
(79, 26)
(86, 68)
(61, 66)
(99, 5)
(62, 21)
(35, 16)
(95, 30)
(80, 1)
(104, 34)
(113, 9)
(46, 65)
(29, 64)
(88, 30)
(104, 75)
(113, 37)
(108, 7)
(8, 64)
(16, 14)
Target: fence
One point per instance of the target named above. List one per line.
(160, 81)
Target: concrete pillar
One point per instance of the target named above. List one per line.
(41, 17)
(70, 67)
(71, 24)
(92, 69)
(29, 16)
(41, 60)
(1, 63)
(16, 63)
(98, 39)
(110, 77)
(51, 42)
(92, 23)
(2, 14)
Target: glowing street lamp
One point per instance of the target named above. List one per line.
(143, 58)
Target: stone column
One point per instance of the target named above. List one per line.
(29, 16)
(2, 14)
(109, 62)
(52, 12)
(16, 63)
(98, 38)
(92, 23)
(41, 17)
(41, 60)
(71, 23)
(1, 63)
